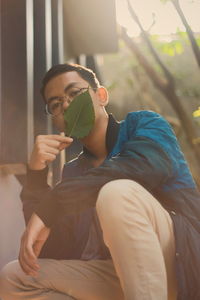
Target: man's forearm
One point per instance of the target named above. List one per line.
(34, 191)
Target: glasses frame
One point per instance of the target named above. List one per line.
(66, 98)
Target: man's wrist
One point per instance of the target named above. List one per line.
(37, 178)
(47, 211)
(36, 167)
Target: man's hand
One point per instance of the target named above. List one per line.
(46, 148)
(32, 242)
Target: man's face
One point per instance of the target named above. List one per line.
(66, 85)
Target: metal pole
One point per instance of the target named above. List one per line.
(30, 70)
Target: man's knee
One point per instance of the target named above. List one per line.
(118, 197)
(13, 280)
(8, 276)
(9, 271)
(106, 196)
(112, 193)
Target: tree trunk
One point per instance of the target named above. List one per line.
(145, 37)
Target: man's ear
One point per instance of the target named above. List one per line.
(102, 94)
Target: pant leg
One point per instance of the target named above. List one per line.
(139, 234)
(62, 280)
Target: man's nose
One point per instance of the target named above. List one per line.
(66, 103)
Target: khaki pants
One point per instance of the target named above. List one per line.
(139, 234)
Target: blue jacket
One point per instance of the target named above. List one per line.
(143, 148)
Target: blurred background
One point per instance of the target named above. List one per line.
(147, 53)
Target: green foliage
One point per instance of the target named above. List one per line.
(174, 44)
(80, 116)
(198, 41)
(171, 47)
(182, 34)
(112, 86)
(196, 115)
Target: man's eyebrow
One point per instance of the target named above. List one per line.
(52, 98)
(69, 86)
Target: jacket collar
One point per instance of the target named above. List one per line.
(112, 133)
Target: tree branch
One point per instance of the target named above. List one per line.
(145, 36)
(168, 91)
(193, 42)
(158, 81)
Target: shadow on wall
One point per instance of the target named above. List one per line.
(11, 216)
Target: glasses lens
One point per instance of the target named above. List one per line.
(74, 92)
(54, 107)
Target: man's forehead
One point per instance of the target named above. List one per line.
(62, 82)
(67, 77)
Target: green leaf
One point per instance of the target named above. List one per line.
(80, 116)
(196, 113)
(182, 34)
(178, 47)
(198, 41)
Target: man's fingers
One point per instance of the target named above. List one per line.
(55, 137)
(53, 147)
(51, 150)
(56, 144)
(26, 268)
(51, 143)
(48, 157)
(46, 148)
(27, 258)
(25, 264)
(29, 252)
(63, 146)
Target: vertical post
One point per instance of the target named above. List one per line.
(13, 141)
(40, 119)
(60, 56)
(30, 76)
(48, 50)
(48, 42)
(57, 58)
(60, 32)
(0, 78)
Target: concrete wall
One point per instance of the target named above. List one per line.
(12, 222)
(89, 27)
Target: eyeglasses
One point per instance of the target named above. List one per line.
(55, 106)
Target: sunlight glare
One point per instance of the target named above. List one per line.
(166, 18)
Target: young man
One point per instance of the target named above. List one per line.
(124, 221)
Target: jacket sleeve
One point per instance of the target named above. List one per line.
(141, 160)
(34, 191)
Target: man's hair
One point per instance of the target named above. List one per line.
(87, 74)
